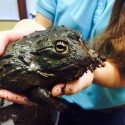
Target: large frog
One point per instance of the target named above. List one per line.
(34, 64)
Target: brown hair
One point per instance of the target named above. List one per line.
(111, 43)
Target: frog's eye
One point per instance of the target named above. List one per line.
(61, 46)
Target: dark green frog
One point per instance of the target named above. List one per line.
(42, 59)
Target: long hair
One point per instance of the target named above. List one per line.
(111, 43)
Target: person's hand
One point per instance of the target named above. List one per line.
(7, 37)
(21, 29)
(75, 86)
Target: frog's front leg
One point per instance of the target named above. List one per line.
(44, 96)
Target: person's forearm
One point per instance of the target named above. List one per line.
(42, 20)
(109, 76)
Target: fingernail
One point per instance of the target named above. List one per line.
(59, 92)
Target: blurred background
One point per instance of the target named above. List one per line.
(11, 11)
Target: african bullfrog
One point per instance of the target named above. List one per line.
(37, 62)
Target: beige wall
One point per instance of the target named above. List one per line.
(6, 25)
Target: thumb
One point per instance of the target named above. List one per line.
(3, 41)
(10, 36)
(73, 87)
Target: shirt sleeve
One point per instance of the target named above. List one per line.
(46, 8)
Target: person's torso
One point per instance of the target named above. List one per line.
(91, 18)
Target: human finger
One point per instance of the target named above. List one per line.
(16, 98)
(73, 87)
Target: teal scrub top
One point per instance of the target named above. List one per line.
(91, 18)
